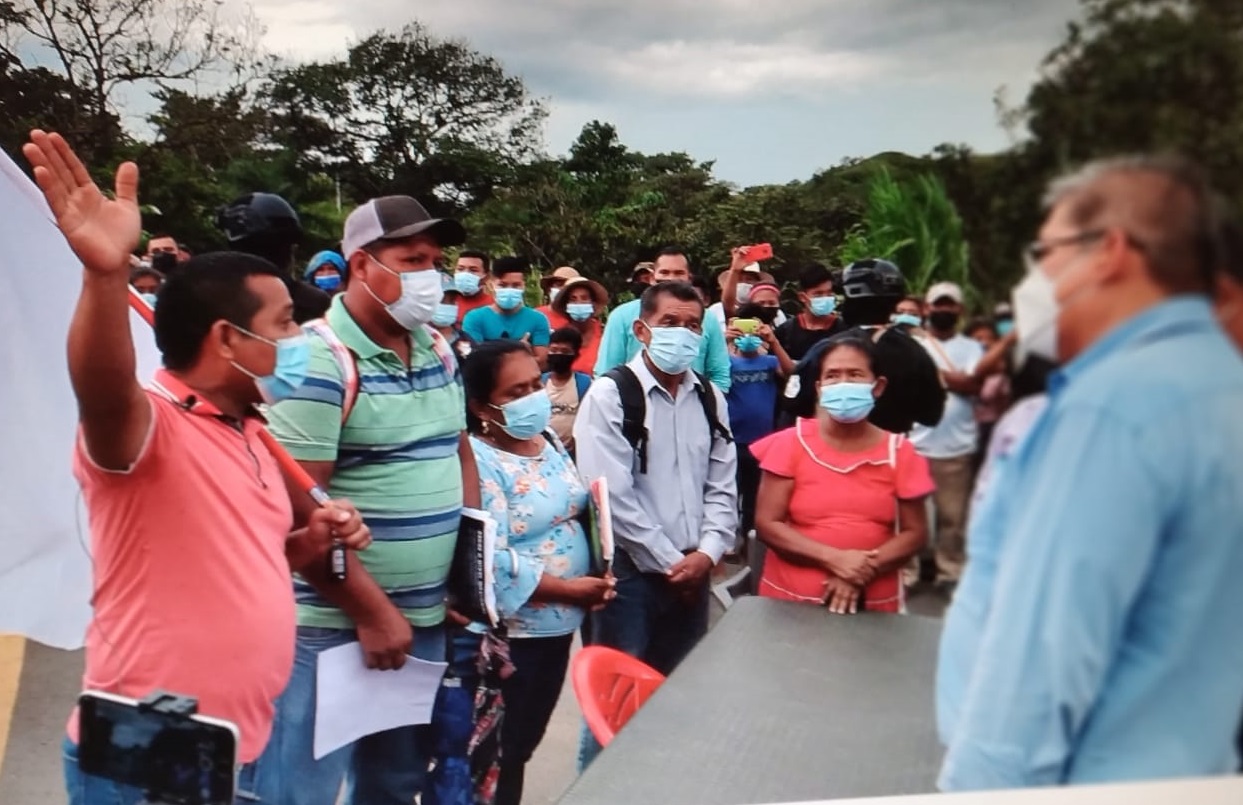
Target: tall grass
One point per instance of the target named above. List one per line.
(914, 224)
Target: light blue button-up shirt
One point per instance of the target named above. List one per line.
(619, 345)
(688, 498)
(1097, 633)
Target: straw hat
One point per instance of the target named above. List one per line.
(599, 296)
(563, 273)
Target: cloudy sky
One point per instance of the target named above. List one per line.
(773, 90)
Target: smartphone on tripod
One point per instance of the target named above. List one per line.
(160, 745)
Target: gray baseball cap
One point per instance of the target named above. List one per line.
(396, 218)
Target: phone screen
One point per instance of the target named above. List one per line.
(175, 760)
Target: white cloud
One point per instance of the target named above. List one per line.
(733, 71)
(304, 30)
(831, 78)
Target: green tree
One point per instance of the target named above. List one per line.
(601, 209)
(209, 150)
(1144, 75)
(40, 98)
(101, 46)
(408, 112)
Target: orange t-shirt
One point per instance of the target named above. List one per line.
(193, 594)
(844, 500)
(592, 332)
(465, 304)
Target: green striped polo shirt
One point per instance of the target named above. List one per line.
(396, 460)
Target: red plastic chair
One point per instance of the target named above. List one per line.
(610, 687)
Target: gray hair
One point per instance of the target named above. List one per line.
(1164, 205)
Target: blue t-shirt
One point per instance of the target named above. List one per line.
(485, 324)
(752, 396)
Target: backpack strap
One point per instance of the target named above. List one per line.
(894, 440)
(707, 398)
(634, 411)
(582, 382)
(346, 362)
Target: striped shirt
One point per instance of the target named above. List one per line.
(396, 459)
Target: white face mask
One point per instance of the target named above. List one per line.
(1036, 312)
(743, 292)
(421, 292)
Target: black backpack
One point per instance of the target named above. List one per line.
(634, 410)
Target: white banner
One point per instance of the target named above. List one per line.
(45, 564)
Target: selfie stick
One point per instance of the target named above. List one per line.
(294, 470)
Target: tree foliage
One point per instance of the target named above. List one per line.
(914, 224)
(408, 112)
(101, 46)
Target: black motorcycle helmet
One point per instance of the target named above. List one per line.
(872, 277)
(259, 215)
(266, 225)
(872, 289)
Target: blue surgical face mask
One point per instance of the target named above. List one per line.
(328, 282)
(509, 298)
(445, 315)
(149, 298)
(822, 305)
(466, 283)
(1005, 327)
(293, 355)
(580, 311)
(526, 417)
(847, 402)
(909, 319)
(748, 343)
(673, 349)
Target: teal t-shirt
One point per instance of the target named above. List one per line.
(486, 324)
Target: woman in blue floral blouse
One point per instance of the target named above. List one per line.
(533, 491)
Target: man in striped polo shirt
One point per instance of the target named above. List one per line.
(381, 415)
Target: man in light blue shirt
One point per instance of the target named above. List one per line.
(1096, 634)
(619, 344)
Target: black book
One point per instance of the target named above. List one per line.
(472, 590)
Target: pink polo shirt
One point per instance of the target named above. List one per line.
(193, 594)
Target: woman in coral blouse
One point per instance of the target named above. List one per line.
(833, 492)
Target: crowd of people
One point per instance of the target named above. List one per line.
(1065, 469)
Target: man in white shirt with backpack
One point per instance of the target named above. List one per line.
(659, 433)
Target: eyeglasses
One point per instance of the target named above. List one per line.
(1037, 251)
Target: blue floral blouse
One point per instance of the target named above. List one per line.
(535, 501)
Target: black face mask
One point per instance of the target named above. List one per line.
(943, 319)
(637, 288)
(560, 364)
(768, 315)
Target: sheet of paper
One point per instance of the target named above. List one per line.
(604, 522)
(353, 701)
